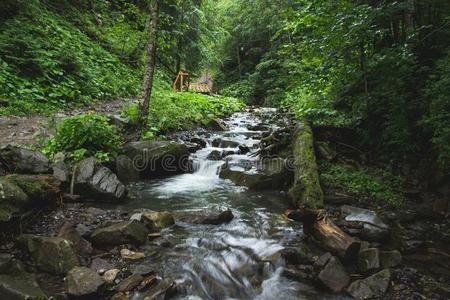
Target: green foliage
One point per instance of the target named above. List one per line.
(243, 89)
(84, 135)
(345, 63)
(48, 64)
(372, 184)
(437, 121)
(171, 111)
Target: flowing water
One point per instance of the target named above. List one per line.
(229, 261)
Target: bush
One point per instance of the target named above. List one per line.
(177, 111)
(375, 185)
(85, 135)
(47, 64)
(437, 119)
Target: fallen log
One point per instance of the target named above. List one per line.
(325, 233)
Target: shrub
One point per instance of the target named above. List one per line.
(372, 184)
(177, 111)
(85, 135)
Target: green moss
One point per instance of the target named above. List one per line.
(306, 189)
(372, 184)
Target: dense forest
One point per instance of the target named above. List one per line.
(166, 192)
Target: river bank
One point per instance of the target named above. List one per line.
(218, 232)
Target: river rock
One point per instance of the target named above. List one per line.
(92, 180)
(20, 193)
(368, 259)
(205, 217)
(129, 283)
(24, 161)
(224, 143)
(296, 256)
(215, 155)
(82, 281)
(268, 174)
(68, 232)
(158, 158)
(131, 255)
(20, 286)
(126, 232)
(372, 286)
(50, 254)
(60, 169)
(110, 275)
(161, 219)
(390, 259)
(126, 171)
(216, 125)
(334, 275)
(12, 199)
(356, 214)
(306, 189)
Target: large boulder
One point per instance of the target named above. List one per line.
(82, 281)
(95, 181)
(24, 161)
(20, 193)
(205, 217)
(158, 158)
(390, 259)
(306, 190)
(268, 174)
(160, 219)
(371, 287)
(334, 275)
(368, 259)
(50, 254)
(217, 125)
(70, 233)
(20, 287)
(126, 172)
(374, 229)
(126, 232)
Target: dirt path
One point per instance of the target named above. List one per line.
(31, 130)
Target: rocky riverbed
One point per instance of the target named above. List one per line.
(207, 224)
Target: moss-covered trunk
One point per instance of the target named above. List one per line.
(306, 190)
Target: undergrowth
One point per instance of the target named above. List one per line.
(376, 185)
(176, 111)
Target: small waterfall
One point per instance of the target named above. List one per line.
(207, 168)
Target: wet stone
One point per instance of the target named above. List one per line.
(82, 281)
(21, 286)
(51, 254)
(390, 259)
(129, 283)
(370, 287)
(368, 259)
(334, 275)
(120, 233)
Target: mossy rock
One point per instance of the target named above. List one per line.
(158, 158)
(12, 199)
(51, 254)
(21, 192)
(37, 187)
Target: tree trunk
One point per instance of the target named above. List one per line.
(147, 83)
(238, 54)
(325, 233)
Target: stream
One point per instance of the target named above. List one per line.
(229, 261)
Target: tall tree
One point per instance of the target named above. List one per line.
(147, 83)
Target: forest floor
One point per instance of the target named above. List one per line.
(30, 130)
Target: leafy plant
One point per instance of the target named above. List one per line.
(85, 135)
(373, 184)
(175, 111)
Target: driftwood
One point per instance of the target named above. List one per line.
(325, 233)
